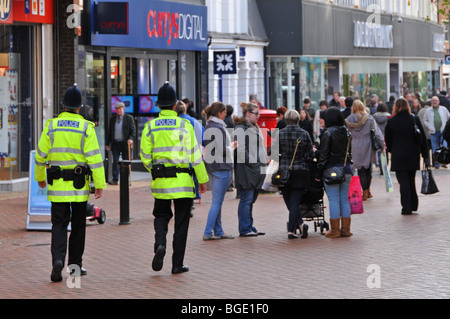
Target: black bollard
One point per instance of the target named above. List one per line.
(124, 193)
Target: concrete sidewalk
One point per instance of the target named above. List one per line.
(389, 255)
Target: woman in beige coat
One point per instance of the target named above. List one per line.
(359, 124)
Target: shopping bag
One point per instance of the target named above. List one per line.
(428, 184)
(271, 169)
(355, 196)
(387, 175)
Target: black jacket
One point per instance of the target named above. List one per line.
(128, 128)
(333, 148)
(401, 142)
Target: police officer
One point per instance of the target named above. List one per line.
(168, 147)
(69, 147)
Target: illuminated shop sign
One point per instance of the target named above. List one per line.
(153, 25)
(111, 18)
(371, 35)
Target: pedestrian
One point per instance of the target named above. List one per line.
(219, 164)
(360, 122)
(298, 179)
(401, 142)
(348, 107)
(190, 110)
(335, 150)
(381, 116)
(317, 127)
(181, 109)
(415, 106)
(168, 146)
(250, 164)
(335, 100)
(307, 107)
(281, 122)
(229, 117)
(69, 146)
(435, 119)
(119, 137)
(306, 123)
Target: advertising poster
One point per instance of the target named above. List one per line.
(37, 197)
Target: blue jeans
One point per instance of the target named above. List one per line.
(338, 198)
(219, 184)
(245, 216)
(436, 141)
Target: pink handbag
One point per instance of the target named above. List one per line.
(355, 196)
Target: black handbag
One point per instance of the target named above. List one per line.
(336, 174)
(281, 177)
(376, 145)
(442, 155)
(428, 184)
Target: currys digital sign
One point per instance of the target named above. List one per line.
(158, 25)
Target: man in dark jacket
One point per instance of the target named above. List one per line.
(121, 133)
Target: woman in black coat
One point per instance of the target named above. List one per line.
(405, 152)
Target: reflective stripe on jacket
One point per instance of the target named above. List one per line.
(170, 140)
(67, 141)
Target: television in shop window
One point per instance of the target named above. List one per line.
(128, 100)
(147, 104)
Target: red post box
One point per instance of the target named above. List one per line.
(267, 122)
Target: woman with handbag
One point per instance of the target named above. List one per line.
(362, 125)
(402, 143)
(294, 153)
(250, 165)
(219, 164)
(335, 169)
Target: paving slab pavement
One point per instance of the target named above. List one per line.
(389, 255)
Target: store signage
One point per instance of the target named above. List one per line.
(111, 18)
(33, 11)
(224, 62)
(156, 25)
(6, 11)
(372, 35)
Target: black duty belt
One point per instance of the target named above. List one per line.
(161, 171)
(78, 175)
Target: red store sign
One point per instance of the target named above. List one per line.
(32, 11)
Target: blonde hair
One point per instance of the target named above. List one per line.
(358, 108)
(292, 117)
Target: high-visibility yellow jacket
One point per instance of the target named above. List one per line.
(170, 140)
(67, 141)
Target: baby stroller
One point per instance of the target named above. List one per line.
(312, 205)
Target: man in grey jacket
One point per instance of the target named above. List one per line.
(121, 133)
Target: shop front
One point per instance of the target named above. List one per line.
(25, 48)
(318, 48)
(134, 47)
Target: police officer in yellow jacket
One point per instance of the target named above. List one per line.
(168, 146)
(67, 158)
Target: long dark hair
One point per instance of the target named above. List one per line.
(333, 117)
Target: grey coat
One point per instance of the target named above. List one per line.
(362, 153)
(250, 156)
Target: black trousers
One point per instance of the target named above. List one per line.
(408, 193)
(365, 176)
(292, 198)
(62, 214)
(163, 214)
